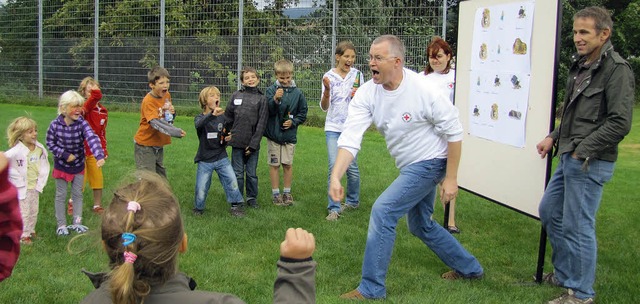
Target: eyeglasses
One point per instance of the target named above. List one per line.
(379, 58)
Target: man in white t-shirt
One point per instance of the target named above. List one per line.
(424, 136)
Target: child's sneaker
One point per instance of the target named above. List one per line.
(237, 211)
(77, 226)
(25, 240)
(277, 200)
(70, 207)
(62, 231)
(287, 199)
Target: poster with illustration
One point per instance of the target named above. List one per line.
(500, 72)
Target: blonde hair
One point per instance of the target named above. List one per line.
(158, 231)
(283, 66)
(69, 98)
(204, 94)
(85, 83)
(18, 127)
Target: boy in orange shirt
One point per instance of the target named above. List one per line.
(155, 131)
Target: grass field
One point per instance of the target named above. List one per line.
(238, 255)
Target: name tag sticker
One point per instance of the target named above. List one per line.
(237, 102)
(212, 135)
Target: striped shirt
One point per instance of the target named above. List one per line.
(63, 140)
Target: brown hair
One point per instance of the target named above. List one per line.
(204, 94)
(158, 231)
(343, 46)
(157, 73)
(600, 16)
(248, 69)
(18, 127)
(433, 48)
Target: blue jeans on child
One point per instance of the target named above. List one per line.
(413, 193)
(568, 215)
(242, 164)
(225, 175)
(353, 174)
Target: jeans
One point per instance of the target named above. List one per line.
(225, 175)
(413, 193)
(249, 165)
(353, 174)
(568, 215)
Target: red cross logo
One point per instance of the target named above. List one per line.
(406, 117)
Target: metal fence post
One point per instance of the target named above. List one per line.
(334, 25)
(444, 19)
(40, 54)
(162, 21)
(96, 37)
(240, 37)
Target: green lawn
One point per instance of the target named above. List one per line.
(238, 255)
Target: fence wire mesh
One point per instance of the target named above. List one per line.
(200, 42)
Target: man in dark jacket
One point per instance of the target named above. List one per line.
(597, 115)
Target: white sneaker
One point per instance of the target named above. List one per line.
(79, 228)
(333, 216)
(62, 231)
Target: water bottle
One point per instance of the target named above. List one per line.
(167, 112)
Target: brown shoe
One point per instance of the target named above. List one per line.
(353, 295)
(454, 275)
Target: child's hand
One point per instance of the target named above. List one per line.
(287, 124)
(278, 95)
(100, 163)
(183, 133)
(325, 82)
(218, 111)
(71, 158)
(297, 244)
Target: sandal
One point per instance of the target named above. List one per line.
(453, 229)
(98, 209)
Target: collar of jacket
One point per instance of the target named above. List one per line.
(293, 84)
(251, 90)
(605, 51)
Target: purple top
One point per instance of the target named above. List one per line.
(63, 140)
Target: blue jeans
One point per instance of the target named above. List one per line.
(568, 215)
(226, 177)
(249, 165)
(413, 193)
(353, 174)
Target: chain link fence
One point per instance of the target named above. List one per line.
(47, 47)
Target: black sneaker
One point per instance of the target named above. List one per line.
(197, 212)
(252, 203)
(237, 211)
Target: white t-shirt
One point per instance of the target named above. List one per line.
(445, 82)
(416, 119)
(339, 99)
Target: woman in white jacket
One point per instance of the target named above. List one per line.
(28, 171)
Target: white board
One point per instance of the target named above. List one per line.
(506, 174)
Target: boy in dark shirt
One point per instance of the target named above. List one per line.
(246, 116)
(212, 155)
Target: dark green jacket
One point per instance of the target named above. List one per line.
(597, 113)
(293, 104)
